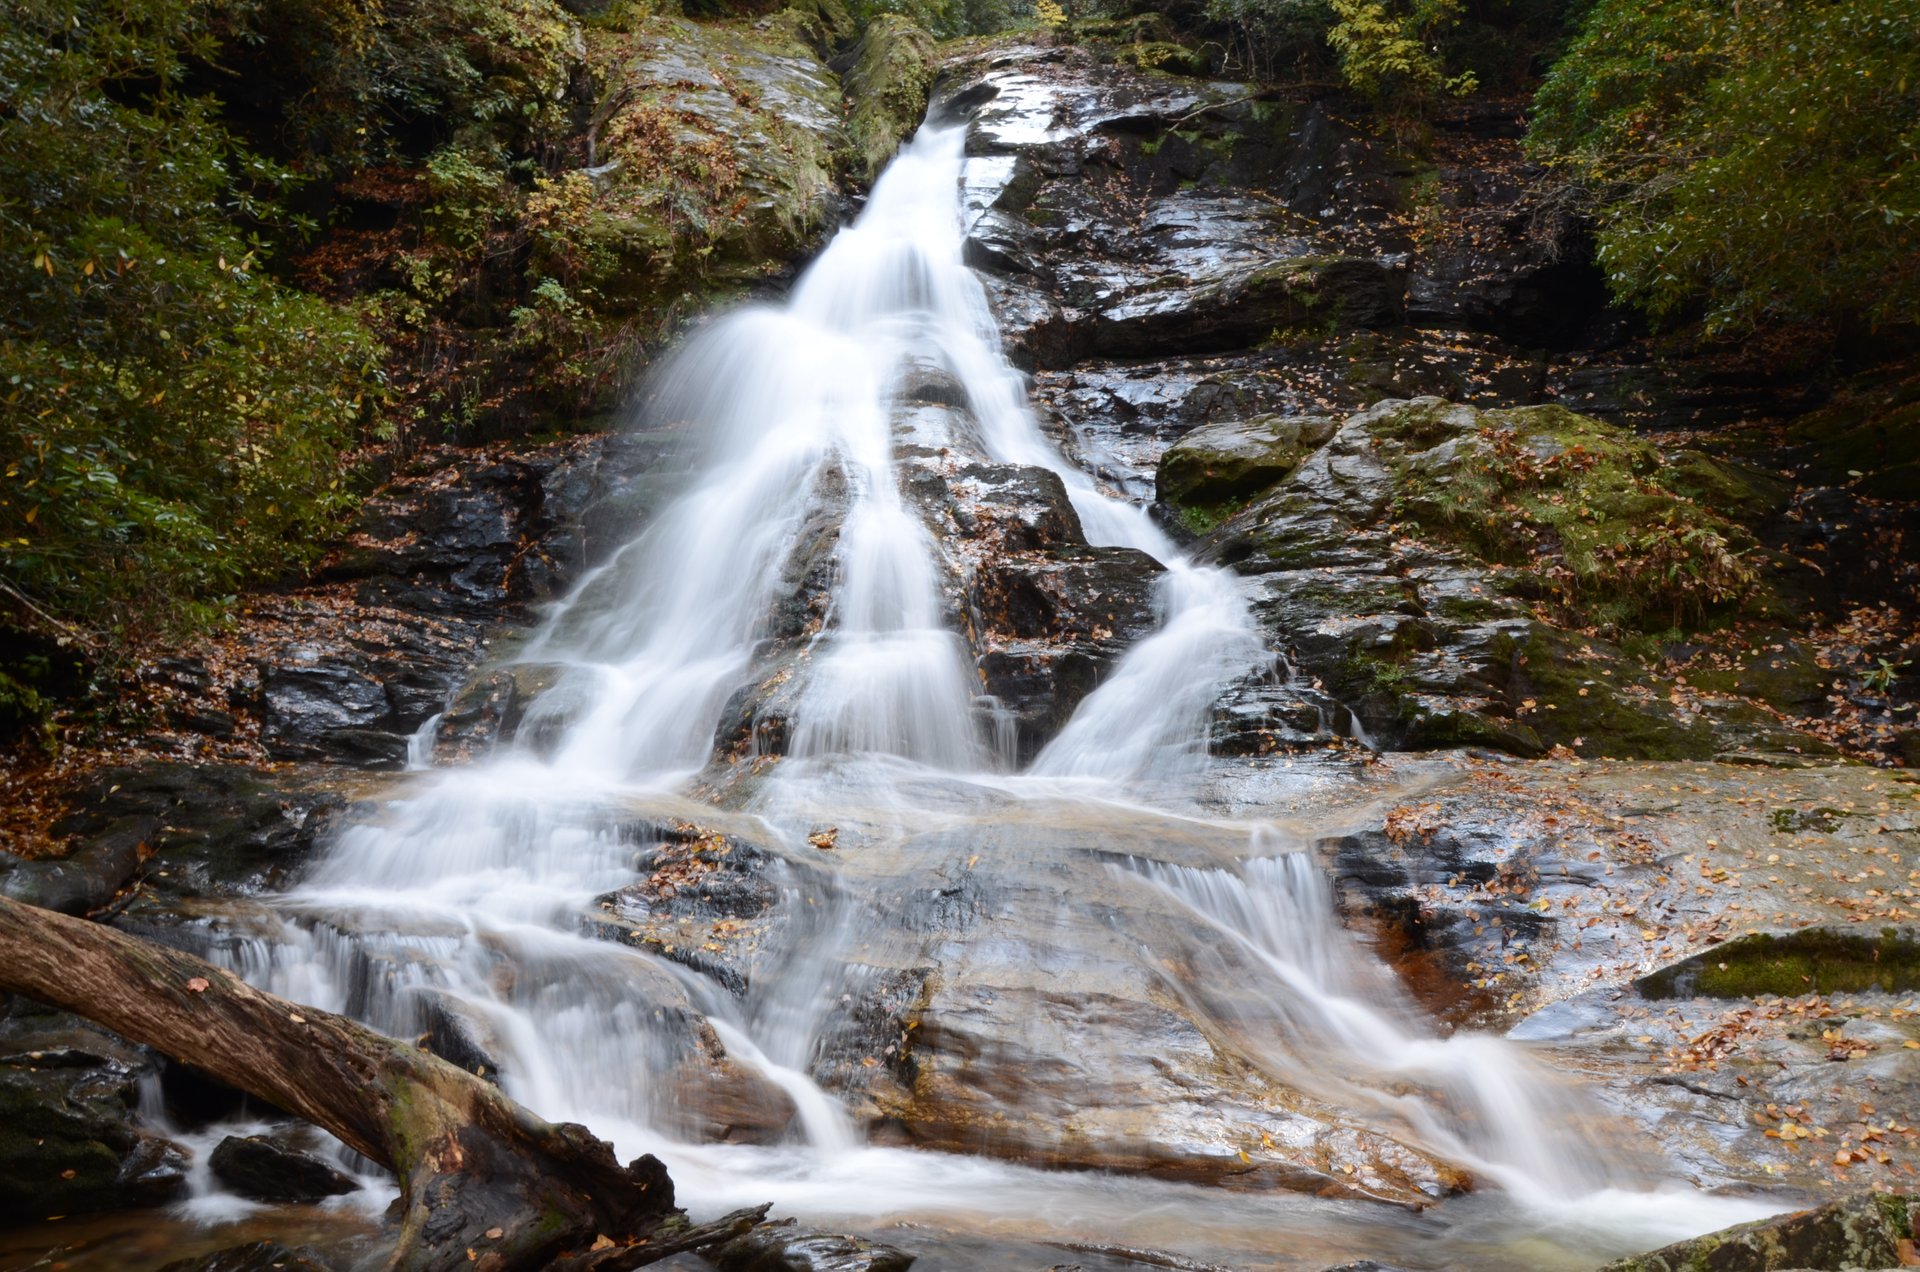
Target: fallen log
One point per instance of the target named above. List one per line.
(485, 1184)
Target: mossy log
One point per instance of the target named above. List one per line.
(485, 1184)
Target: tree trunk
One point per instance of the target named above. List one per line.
(486, 1185)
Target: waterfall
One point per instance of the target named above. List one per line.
(465, 899)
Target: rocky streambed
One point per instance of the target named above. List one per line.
(1443, 477)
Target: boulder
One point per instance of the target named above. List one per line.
(266, 1169)
(888, 83)
(1430, 563)
(783, 1247)
(1870, 1230)
(70, 1139)
(1232, 459)
(203, 829)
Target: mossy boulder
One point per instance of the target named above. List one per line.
(714, 163)
(887, 86)
(1865, 1231)
(1583, 513)
(1462, 577)
(1869, 434)
(1219, 463)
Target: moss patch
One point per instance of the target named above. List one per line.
(1823, 960)
(1594, 519)
(893, 72)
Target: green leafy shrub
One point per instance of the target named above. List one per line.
(1755, 163)
(1389, 51)
(173, 420)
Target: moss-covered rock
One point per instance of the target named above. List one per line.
(69, 1140)
(1869, 433)
(1587, 515)
(1453, 573)
(715, 162)
(1824, 959)
(892, 74)
(1865, 1231)
(1233, 459)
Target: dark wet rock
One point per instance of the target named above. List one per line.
(1010, 508)
(446, 552)
(489, 710)
(264, 1169)
(1443, 942)
(1048, 628)
(317, 709)
(782, 1247)
(1274, 711)
(1823, 959)
(203, 830)
(87, 877)
(69, 1135)
(698, 885)
(255, 1256)
(456, 1034)
(1864, 1231)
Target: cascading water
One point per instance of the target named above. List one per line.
(465, 898)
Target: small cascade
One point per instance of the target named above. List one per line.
(1328, 1019)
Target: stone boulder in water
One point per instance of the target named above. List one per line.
(265, 1169)
(785, 1248)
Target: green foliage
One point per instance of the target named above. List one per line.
(1756, 163)
(345, 83)
(950, 18)
(173, 419)
(1389, 51)
(1399, 52)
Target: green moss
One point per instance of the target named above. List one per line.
(1592, 517)
(892, 74)
(1572, 702)
(1200, 520)
(1814, 960)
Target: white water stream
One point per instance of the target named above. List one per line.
(465, 896)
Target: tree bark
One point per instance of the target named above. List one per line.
(485, 1184)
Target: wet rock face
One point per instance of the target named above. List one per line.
(1374, 570)
(196, 830)
(69, 1137)
(440, 557)
(1115, 229)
